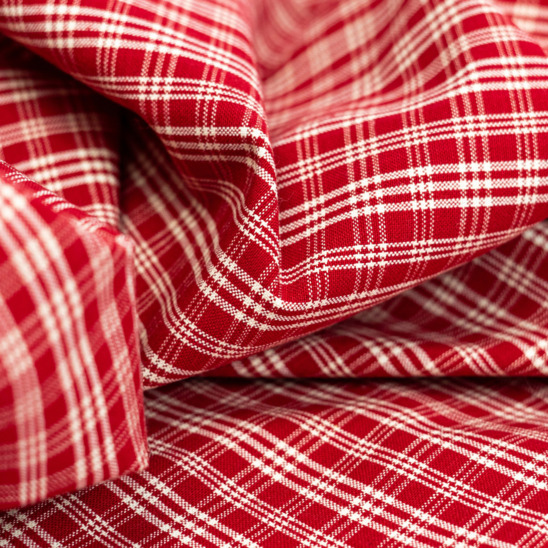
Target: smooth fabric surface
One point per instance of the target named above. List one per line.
(270, 189)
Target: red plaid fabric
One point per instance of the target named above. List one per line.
(273, 188)
(486, 318)
(301, 162)
(320, 464)
(70, 401)
(70, 388)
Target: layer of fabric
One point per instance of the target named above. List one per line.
(70, 387)
(290, 164)
(486, 318)
(320, 464)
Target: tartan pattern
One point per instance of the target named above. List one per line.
(301, 162)
(486, 318)
(70, 391)
(311, 463)
(273, 189)
(59, 133)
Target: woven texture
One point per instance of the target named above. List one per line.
(70, 390)
(273, 188)
(301, 162)
(321, 464)
(486, 318)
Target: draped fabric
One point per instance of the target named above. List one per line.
(229, 229)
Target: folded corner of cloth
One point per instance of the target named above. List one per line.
(273, 188)
(70, 389)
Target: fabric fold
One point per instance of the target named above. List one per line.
(286, 181)
(70, 387)
(486, 318)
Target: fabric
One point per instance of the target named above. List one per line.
(298, 164)
(273, 188)
(486, 318)
(330, 464)
(70, 399)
